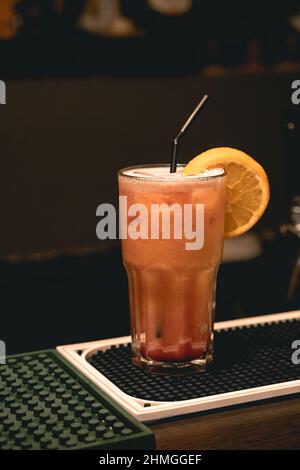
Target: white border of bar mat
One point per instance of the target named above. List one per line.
(76, 354)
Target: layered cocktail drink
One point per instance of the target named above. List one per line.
(172, 247)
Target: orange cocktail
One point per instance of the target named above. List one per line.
(171, 280)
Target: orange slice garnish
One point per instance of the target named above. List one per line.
(248, 190)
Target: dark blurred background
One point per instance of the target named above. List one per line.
(94, 85)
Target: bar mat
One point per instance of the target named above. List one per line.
(47, 404)
(244, 357)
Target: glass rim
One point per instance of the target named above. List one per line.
(122, 171)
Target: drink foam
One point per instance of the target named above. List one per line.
(163, 172)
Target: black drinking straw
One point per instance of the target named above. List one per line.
(173, 165)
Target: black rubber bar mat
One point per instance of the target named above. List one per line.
(244, 357)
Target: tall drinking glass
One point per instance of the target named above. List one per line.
(171, 280)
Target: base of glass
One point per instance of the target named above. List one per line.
(172, 368)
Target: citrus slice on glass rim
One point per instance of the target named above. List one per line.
(248, 190)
